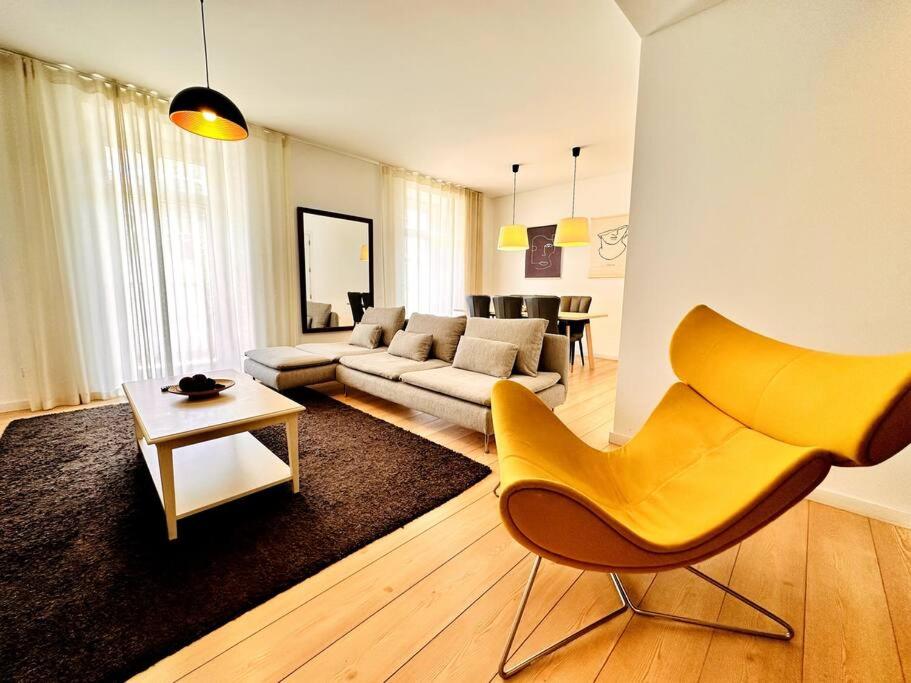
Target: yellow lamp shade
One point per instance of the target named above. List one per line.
(513, 238)
(365, 253)
(571, 232)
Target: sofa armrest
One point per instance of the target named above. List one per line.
(555, 356)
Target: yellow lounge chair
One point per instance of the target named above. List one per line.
(752, 427)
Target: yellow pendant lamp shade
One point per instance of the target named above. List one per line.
(365, 253)
(204, 111)
(513, 237)
(572, 231)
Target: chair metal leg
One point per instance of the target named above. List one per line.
(626, 603)
(581, 352)
(787, 634)
(507, 673)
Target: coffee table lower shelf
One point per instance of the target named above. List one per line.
(213, 472)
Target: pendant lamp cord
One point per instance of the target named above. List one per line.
(515, 174)
(205, 48)
(572, 211)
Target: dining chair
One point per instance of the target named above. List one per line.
(478, 305)
(546, 307)
(575, 304)
(507, 306)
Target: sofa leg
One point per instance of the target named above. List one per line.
(345, 386)
(486, 442)
(626, 604)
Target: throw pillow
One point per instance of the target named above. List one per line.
(494, 358)
(446, 332)
(366, 335)
(411, 345)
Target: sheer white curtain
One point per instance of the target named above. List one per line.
(131, 248)
(428, 232)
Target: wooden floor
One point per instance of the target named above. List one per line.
(434, 600)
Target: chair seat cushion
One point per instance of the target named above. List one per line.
(286, 358)
(334, 351)
(473, 386)
(692, 478)
(388, 366)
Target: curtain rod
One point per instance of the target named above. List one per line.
(157, 95)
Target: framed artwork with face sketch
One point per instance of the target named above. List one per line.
(607, 253)
(542, 258)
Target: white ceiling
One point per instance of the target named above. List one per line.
(458, 90)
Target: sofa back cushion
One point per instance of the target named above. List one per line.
(318, 314)
(446, 332)
(367, 335)
(494, 358)
(411, 345)
(390, 319)
(526, 333)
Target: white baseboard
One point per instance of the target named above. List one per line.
(10, 406)
(863, 507)
(836, 500)
(618, 439)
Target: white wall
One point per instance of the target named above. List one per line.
(772, 181)
(505, 270)
(322, 179)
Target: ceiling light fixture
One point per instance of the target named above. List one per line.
(204, 111)
(513, 237)
(572, 231)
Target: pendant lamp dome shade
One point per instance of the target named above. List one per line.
(572, 231)
(513, 237)
(204, 111)
(208, 113)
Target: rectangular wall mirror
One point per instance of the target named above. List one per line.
(335, 253)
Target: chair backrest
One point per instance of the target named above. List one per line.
(478, 305)
(367, 298)
(575, 304)
(356, 302)
(546, 307)
(508, 306)
(857, 407)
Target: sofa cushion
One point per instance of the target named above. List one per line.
(286, 358)
(494, 358)
(473, 386)
(333, 351)
(446, 332)
(390, 319)
(366, 335)
(411, 345)
(527, 334)
(388, 366)
(318, 313)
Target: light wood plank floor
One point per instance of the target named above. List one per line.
(434, 600)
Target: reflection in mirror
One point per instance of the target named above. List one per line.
(336, 269)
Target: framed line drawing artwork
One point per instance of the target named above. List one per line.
(542, 258)
(607, 254)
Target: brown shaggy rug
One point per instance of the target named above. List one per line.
(91, 589)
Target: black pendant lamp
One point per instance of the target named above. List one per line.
(204, 111)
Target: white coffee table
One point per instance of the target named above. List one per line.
(217, 460)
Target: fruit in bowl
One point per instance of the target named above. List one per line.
(196, 383)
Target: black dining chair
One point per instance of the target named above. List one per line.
(356, 301)
(575, 304)
(546, 307)
(507, 306)
(367, 298)
(478, 305)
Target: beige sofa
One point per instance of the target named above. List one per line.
(432, 386)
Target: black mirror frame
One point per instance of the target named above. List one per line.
(302, 264)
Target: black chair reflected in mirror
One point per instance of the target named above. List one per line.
(367, 298)
(356, 301)
(478, 305)
(575, 304)
(546, 307)
(507, 306)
